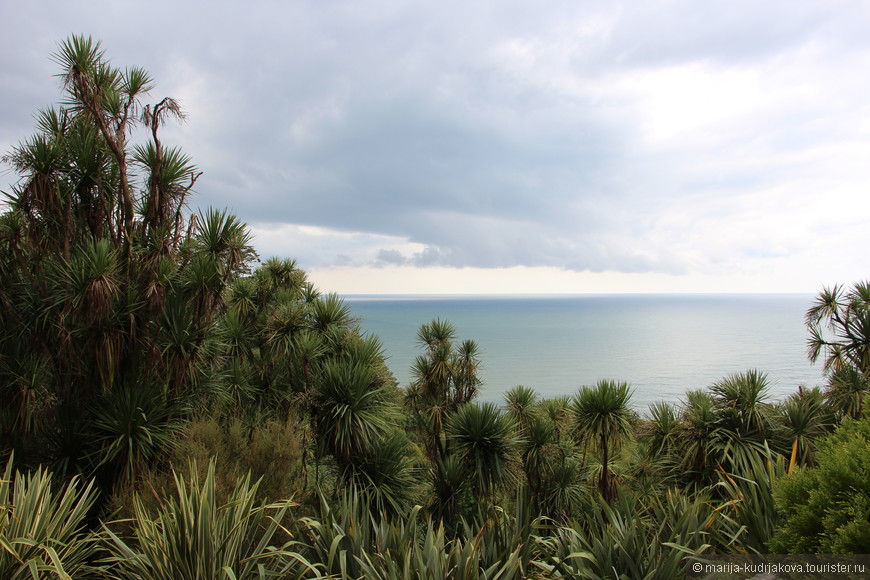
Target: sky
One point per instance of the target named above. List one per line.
(504, 146)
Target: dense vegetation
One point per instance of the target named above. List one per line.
(174, 409)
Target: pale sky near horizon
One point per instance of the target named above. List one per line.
(505, 146)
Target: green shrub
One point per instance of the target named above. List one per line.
(270, 452)
(826, 509)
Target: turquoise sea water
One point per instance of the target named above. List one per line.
(663, 345)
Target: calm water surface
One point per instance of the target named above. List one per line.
(663, 345)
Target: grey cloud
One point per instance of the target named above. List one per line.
(732, 33)
(342, 260)
(390, 257)
(493, 134)
(431, 256)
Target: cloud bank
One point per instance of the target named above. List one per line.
(671, 139)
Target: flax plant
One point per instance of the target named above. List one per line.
(195, 537)
(354, 544)
(42, 530)
(629, 538)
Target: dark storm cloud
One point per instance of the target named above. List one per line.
(391, 165)
(490, 134)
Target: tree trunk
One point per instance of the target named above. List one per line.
(604, 478)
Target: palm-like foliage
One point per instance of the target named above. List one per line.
(224, 242)
(351, 412)
(108, 99)
(435, 333)
(562, 490)
(384, 475)
(445, 378)
(698, 433)
(743, 423)
(182, 348)
(330, 311)
(846, 389)
(280, 323)
(726, 428)
(741, 401)
(434, 372)
(284, 321)
(465, 363)
(537, 451)
(481, 435)
(656, 457)
(133, 426)
(662, 429)
(602, 412)
(803, 418)
(105, 280)
(449, 482)
(839, 326)
(27, 391)
(520, 403)
(308, 347)
(558, 411)
(237, 336)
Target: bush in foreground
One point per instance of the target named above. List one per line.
(195, 536)
(42, 528)
(826, 509)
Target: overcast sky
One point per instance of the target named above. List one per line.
(505, 146)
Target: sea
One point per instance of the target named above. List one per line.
(663, 345)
